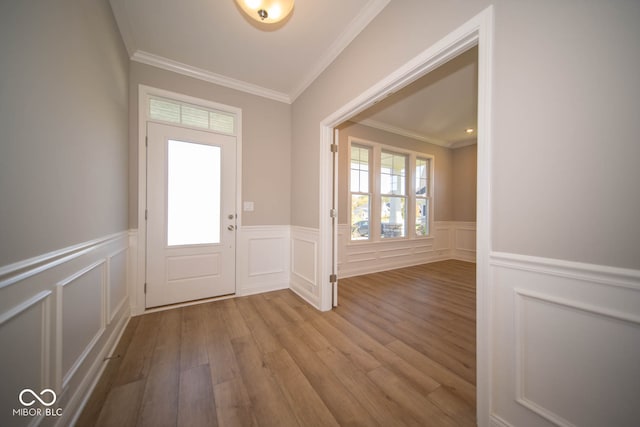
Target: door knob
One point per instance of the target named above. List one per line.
(231, 227)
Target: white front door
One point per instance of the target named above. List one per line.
(191, 214)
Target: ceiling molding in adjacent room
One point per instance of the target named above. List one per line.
(404, 132)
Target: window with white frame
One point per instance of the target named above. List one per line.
(389, 192)
(393, 195)
(359, 185)
(422, 196)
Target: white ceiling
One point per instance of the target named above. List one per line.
(437, 108)
(213, 40)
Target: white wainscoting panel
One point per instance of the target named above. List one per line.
(450, 240)
(262, 259)
(305, 278)
(464, 241)
(443, 240)
(60, 314)
(25, 358)
(117, 282)
(566, 343)
(81, 322)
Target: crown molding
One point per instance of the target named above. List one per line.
(355, 27)
(198, 73)
(404, 132)
(359, 23)
(465, 143)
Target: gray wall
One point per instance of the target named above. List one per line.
(464, 183)
(266, 143)
(443, 180)
(63, 115)
(566, 107)
(565, 102)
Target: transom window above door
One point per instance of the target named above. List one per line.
(176, 112)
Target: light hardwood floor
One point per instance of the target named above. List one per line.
(399, 350)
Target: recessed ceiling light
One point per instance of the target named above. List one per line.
(469, 130)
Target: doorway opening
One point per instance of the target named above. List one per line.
(476, 32)
(407, 174)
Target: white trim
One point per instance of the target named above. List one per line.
(414, 135)
(404, 132)
(13, 273)
(365, 257)
(208, 76)
(111, 314)
(45, 335)
(601, 293)
(307, 287)
(144, 93)
(91, 379)
(521, 295)
(461, 144)
(477, 31)
(598, 274)
(375, 195)
(8, 315)
(484, 27)
(496, 421)
(355, 27)
(67, 376)
(351, 31)
(309, 280)
(36, 280)
(267, 269)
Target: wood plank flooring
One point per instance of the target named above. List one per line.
(398, 351)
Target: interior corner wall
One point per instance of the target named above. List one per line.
(443, 180)
(266, 142)
(63, 115)
(465, 183)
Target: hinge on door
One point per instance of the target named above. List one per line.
(145, 287)
(146, 141)
(333, 213)
(146, 214)
(334, 148)
(333, 278)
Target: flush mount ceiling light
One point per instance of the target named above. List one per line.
(266, 11)
(469, 130)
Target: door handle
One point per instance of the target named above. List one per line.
(231, 227)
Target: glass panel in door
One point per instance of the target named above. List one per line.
(193, 194)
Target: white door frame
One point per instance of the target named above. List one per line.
(477, 31)
(137, 300)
